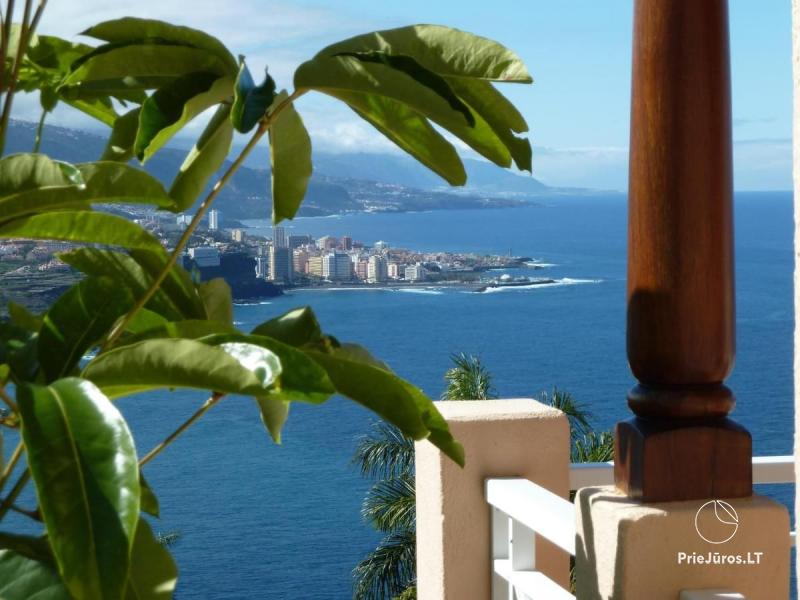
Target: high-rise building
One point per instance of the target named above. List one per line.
(376, 269)
(394, 270)
(280, 264)
(362, 269)
(300, 261)
(347, 243)
(337, 266)
(295, 241)
(279, 239)
(315, 266)
(380, 246)
(214, 220)
(326, 242)
(183, 220)
(415, 272)
(262, 267)
(238, 235)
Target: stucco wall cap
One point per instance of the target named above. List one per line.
(496, 410)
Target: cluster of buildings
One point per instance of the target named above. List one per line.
(289, 258)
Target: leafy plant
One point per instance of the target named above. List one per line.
(137, 321)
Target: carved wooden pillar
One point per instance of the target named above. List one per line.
(680, 338)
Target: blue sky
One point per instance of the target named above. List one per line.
(577, 50)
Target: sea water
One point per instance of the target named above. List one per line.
(282, 522)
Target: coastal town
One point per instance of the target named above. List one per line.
(258, 266)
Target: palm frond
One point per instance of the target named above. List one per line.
(410, 593)
(593, 447)
(577, 415)
(468, 379)
(388, 570)
(384, 453)
(390, 504)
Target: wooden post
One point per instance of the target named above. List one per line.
(680, 337)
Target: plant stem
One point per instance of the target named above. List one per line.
(15, 492)
(215, 397)
(7, 22)
(263, 127)
(7, 399)
(12, 462)
(37, 142)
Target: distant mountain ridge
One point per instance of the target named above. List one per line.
(340, 184)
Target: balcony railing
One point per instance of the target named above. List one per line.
(522, 510)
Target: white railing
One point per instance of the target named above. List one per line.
(521, 510)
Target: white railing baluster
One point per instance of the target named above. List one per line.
(500, 545)
(521, 552)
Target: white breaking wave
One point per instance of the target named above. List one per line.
(263, 303)
(536, 286)
(430, 291)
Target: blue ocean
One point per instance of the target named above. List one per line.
(258, 520)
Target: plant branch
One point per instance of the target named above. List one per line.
(263, 127)
(14, 494)
(9, 18)
(215, 397)
(12, 462)
(7, 399)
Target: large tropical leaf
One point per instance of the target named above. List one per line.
(443, 50)
(127, 29)
(83, 461)
(301, 379)
(123, 136)
(216, 295)
(23, 578)
(410, 131)
(78, 320)
(170, 108)
(231, 368)
(153, 572)
(100, 182)
(27, 172)
(251, 101)
(81, 226)
(175, 300)
(297, 327)
(204, 159)
(118, 68)
(290, 158)
(389, 396)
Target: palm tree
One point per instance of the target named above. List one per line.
(387, 456)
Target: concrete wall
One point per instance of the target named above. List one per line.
(502, 438)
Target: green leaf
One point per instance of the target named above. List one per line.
(18, 351)
(23, 578)
(22, 317)
(443, 50)
(216, 295)
(26, 172)
(290, 158)
(83, 461)
(81, 226)
(99, 108)
(102, 182)
(231, 369)
(191, 329)
(297, 327)
(500, 114)
(77, 321)
(127, 29)
(390, 397)
(36, 548)
(175, 300)
(349, 74)
(410, 131)
(113, 68)
(250, 101)
(149, 501)
(274, 413)
(420, 74)
(123, 135)
(153, 571)
(301, 378)
(169, 109)
(204, 159)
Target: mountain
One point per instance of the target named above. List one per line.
(340, 184)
